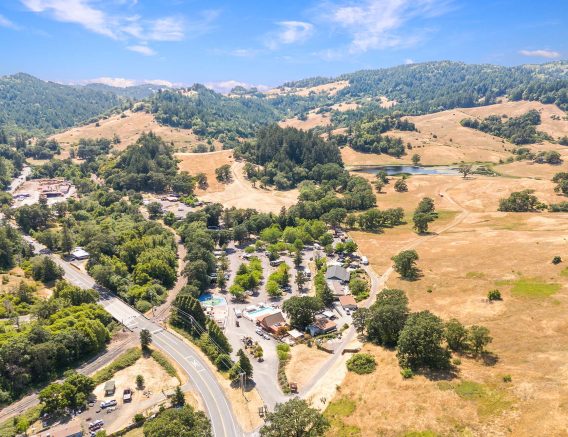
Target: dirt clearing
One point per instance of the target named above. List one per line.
(241, 194)
(305, 363)
(156, 383)
(206, 163)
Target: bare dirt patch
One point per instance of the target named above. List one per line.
(241, 194)
(206, 163)
(156, 382)
(129, 128)
(331, 88)
(312, 121)
(304, 363)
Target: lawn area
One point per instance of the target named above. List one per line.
(336, 412)
(490, 400)
(531, 287)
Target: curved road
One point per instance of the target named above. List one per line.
(223, 422)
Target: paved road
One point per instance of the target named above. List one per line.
(202, 378)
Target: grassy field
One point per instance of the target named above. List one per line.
(473, 249)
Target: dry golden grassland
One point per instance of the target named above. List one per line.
(473, 249)
(441, 139)
(129, 128)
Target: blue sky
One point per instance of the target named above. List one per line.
(267, 42)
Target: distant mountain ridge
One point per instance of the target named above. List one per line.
(41, 107)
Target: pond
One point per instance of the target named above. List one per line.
(408, 169)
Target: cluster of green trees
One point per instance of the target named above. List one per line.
(90, 149)
(182, 422)
(68, 327)
(366, 135)
(248, 278)
(41, 149)
(129, 255)
(375, 219)
(434, 86)
(13, 249)
(148, 165)
(517, 130)
(424, 214)
(545, 91)
(521, 201)
(322, 201)
(561, 181)
(11, 163)
(188, 315)
(287, 155)
(59, 398)
(211, 114)
(422, 339)
(302, 310)
(278, 280)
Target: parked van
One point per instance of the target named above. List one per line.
(276, 262)
(364, 261)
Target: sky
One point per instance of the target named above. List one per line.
(265, 43)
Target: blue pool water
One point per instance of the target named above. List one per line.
(208, 299)
(261, 312)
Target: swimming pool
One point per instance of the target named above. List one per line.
(207, 299)
(261, 312)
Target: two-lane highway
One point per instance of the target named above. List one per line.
(223, 421)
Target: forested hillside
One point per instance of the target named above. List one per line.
(27, 103)
(211, 114)
(39, 107)
(434, 86)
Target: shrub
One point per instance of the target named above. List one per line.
(223, 362)
(456, 362)
(507, 378)
(362, 364)
(407, 373)
(556, 260)
(494, 295)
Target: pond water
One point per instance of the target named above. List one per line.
(409, 169)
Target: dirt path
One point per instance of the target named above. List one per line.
(162, 312)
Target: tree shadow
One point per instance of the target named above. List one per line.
(438, 374)
(249, 384)
(489, 358)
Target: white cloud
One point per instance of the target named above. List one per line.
(227, 85)
(542, 53)
(376, 24)
(289, 32)
(409, 61)
(166, 29)
(122, 82)
(75, 11)
(116, 20)
(4, 22)
(244, 53)
(143, 50)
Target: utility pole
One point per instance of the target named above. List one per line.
(243, 376)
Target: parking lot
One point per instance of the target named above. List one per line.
(239, 328)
